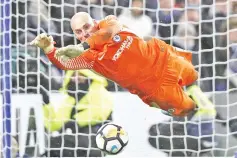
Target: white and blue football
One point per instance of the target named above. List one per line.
(111, 138)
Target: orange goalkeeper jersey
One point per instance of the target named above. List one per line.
(125, 58)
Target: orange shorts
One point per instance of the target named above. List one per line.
(170, 95)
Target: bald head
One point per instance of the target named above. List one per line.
(80, 19)
(82, 25)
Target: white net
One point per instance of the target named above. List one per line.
(51, 109)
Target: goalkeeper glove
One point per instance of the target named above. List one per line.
(44, 42)
(70, 51)
(206, 109)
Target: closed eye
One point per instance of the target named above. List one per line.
(86, 26)
(78, 31)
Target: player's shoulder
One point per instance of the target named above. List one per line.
(111, 17)
(108, 21)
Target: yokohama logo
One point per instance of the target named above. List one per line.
(125, 45)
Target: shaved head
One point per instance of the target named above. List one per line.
(82, 25)
(80, 19)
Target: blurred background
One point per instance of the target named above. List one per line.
(72, 105)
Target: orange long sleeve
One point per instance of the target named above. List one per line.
(84, 61)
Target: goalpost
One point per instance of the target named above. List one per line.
(27, 77)
(5, 40)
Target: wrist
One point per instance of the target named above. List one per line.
(48, 49)
(85, 45)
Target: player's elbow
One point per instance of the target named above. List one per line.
(195, 75)
(63, 68)
(70, 68)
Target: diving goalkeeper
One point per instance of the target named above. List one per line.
(153, 70)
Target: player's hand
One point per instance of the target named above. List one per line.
(44, 42)
(70, 51)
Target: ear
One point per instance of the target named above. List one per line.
(95, 22)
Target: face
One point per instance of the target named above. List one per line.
(188, 39)
(233, 7)
(83, 32)
(221, 6)
(232, 30)
(193, 15)
(109, 2)
(137, 4)
(193, 2)
(166, 4)
(232, 36)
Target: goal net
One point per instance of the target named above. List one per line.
(55, 113)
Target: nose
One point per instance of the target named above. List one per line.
(80, 36)
(83, 36)
(84, 32)
(87, 34)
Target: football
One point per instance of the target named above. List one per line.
(111, 138)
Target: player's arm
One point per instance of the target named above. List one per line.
(108, 27)
(67, 63)
(59, 58)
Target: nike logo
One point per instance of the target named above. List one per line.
(102, 56)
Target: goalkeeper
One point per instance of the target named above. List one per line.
(153, 70)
